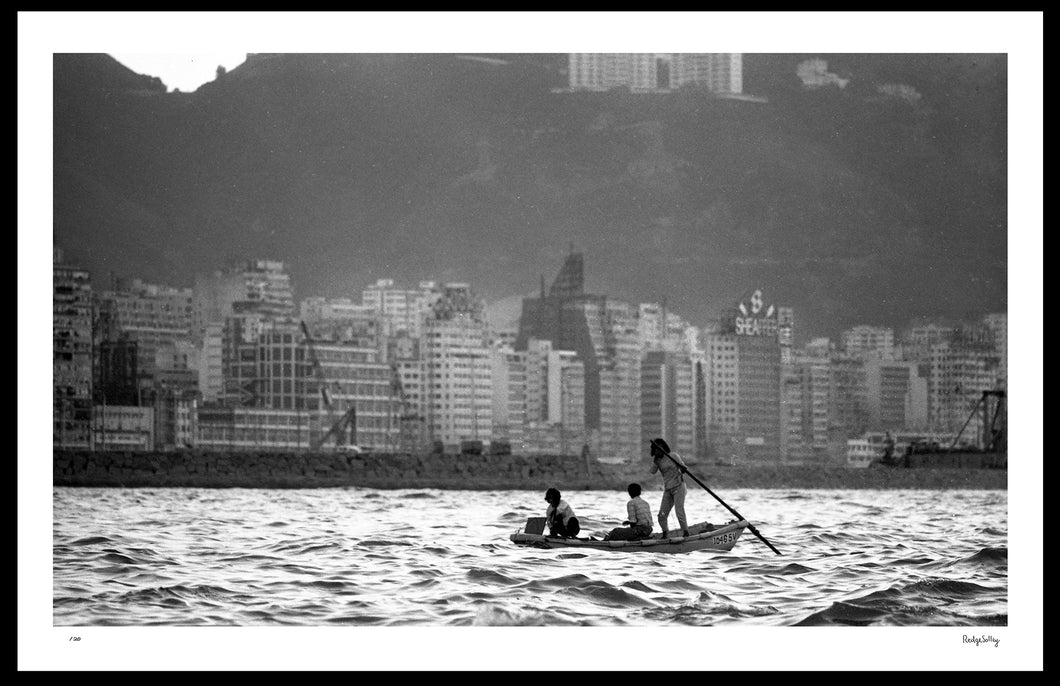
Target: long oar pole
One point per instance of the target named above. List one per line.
(684, 470)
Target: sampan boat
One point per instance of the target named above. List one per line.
(702, 536)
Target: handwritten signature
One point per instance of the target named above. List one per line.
(977, 640)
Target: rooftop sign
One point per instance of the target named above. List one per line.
(754, 317)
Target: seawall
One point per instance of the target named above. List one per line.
(204, 469)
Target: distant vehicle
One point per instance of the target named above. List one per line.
(353, 449)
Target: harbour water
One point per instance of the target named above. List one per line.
(351, 557)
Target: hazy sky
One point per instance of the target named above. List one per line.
(185, 71)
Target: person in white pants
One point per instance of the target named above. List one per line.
(673, 473)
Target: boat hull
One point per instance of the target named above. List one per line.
(702, 536)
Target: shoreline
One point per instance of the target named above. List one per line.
(197, 469)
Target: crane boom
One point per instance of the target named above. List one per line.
(338, 425)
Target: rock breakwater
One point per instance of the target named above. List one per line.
(205, 469)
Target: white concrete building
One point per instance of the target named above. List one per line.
(401, 309)
(720, 73)
(457, 371)
(869, 341)
(717, 72)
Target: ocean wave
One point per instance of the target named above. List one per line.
(327, 584)
(925, 601)
(785, 570)
(419, 494)
(377, 543)
(608, 594)
(846, 614)
(118, 558)
(930, 589)
(564, 581)
(638, 586)
(93, 540)
(490, 576)
(988, 556)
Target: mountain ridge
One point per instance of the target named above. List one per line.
(850, 205)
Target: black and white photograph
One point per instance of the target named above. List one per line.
(525, 341)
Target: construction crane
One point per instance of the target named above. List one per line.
(408, 419)
(993, 437)
(340, 426)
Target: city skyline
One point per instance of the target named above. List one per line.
(185, 351)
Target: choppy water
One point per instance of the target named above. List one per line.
(336, 557)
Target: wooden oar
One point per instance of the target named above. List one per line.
(684, 470)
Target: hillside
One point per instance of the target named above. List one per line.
(849, 205)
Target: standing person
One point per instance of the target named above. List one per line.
(673, 485)
(559, 516)
(638, 524)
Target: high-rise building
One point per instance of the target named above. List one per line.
(604, 71)
(603, 332)
(210, 365)
(340, 319)
(744, 377)
(540, 395)
(848, 406)
(670, 401)
(508, 376)
(401, 309)
(660, 329)
(869, 341)
(242, 287)
(998, 325)
(264, 364)
(959, 373)
(347, 318)
(896, 395)
(715, 72)
(146, 355)
(807, 385)
(919, 338)
(133, 305)
(357, 381)
(252, 292)
(456, 370)
(786, 333)
(269, 364)
(72, 354)
(825, 402)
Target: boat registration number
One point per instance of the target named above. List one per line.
(724, 538)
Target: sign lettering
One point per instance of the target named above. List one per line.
(756, 326)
